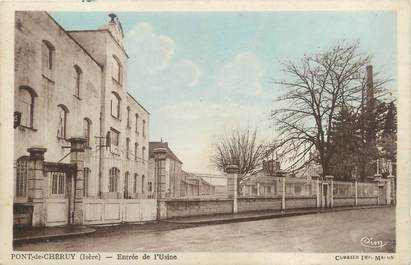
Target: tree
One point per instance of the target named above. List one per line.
(239, 147)
(317, 88)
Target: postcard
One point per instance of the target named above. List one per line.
(214, 132)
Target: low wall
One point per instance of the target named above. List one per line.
(344, 201)
(258, 204)
(367, 200)
(192, 207)
(300, 202)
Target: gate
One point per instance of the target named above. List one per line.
(59, 193)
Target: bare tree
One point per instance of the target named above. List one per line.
(239, 147)
(317, 88)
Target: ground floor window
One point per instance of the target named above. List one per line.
(57, 183)
(113, 179)
(21, 177)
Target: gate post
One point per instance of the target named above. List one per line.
(232, 188)
(330, 181)
(390, 189)
(36, 184)
(77, 158)
(356, 191)
(316, 180)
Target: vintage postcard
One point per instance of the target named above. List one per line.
(227, 132)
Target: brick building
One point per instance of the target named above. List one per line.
(74, 84)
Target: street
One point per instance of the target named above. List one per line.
(323, 232)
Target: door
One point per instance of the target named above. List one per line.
(57, 201)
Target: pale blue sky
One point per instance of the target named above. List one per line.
(201, 73)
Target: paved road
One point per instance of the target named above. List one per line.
(323, 232)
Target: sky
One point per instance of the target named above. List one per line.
(200, 74)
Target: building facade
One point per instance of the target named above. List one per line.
(74, 84)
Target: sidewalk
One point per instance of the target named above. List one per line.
(26, 234)
(23, 235)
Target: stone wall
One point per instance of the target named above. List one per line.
(258, 204)
(367, 201)
(184, 207)
(300, 202)
(344, 201)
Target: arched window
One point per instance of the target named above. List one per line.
(142, 183)
(117, 70)
(126, 179)
(150, 186)
(87, 131)
(113, 179)
(128, 148)
(26, 105)
(77, 80)
(47, 55)
(21, 177)
(136, 123)
(135, 183)
(135, 151)
(144, 128)
(143, 153)
(115, 105)
(128, 117)
(62, 112)
(86, 180)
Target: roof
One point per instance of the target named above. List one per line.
(138, 103)
(74, 40)
(154, 145)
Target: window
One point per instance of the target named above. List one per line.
(150, 186)
(135, 151)
(142, 183)
(86, 181)
(135, 183)
(126, 176)
(87, 131)
(128, 148)
(144, 128)
(62, 121)
(26, 105)
(116, 70)
(113, 179)
(143, 153)
(115, 105)
(77, 81)
(114, 137)
(57, 183)
(21, 177)
(128, 117)
(47, 53)
(136, 123)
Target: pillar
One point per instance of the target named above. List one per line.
(316, 180)
(283, 194)
(77, 179)
(390, 189)
(232, 188)
(356, 192)
(160, 182)
(330, 181)
(37, 184)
